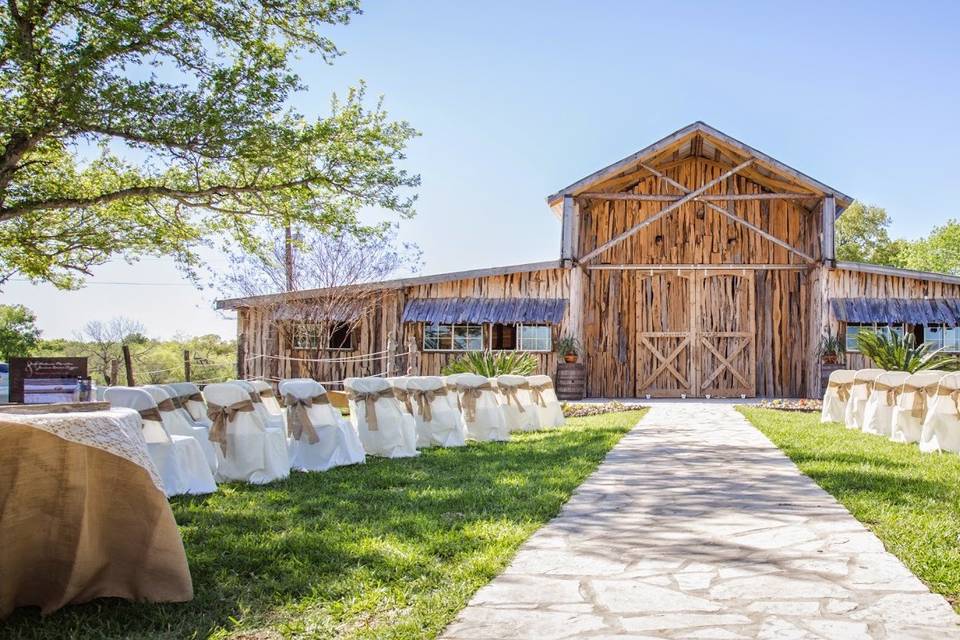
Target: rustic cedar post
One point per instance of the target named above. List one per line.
(413, 360)
(829, 218)
(186, 365)
(391, 355)
(240, 362)
(128, 365)
(114, 376)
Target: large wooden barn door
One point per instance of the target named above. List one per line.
(726, 334)
(665, 335)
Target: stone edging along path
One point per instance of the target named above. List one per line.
(697, 526)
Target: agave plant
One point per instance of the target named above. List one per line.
(492, 364)
(895, 352)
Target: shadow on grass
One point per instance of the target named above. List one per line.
(338, 553)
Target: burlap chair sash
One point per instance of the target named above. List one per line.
(177, 402)
(193, 397)
(150, 414)
(298, 416)
(842, 389)
(890, 392)
(220, 416)
(954, 395)
(167, 405)
(404, 396)
(424, 399)
(266, 393)
(510, 393)
(453, 388)
(369, 400)
(469, 397)
(918, 407)
(255, 398)
(536, 393)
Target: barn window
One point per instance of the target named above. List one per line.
(940, 336)
(521, 337)
(452, 337)
(854, 329)
(308, 337)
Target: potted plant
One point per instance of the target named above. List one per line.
(569, 348)
(831, 349)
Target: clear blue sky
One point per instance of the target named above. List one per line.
(516, 100)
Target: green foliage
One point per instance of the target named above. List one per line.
(387, 549)
(492, 364)
(150, 127)
(895, 352)
(568, 345)
(938, 252)
(18, 331)
(907, 498)
(862, 236)
(831, 345)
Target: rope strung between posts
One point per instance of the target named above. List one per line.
(383, 355)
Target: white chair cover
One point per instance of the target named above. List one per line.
(192, 401)
(179, 459)
(336, 444)
(387, 430)
(480, 408)
(878, 411)
(549, 407)
(859, 392)
(836, 395)
(516, 403)
(270, 401)
(254, 452)
(915, 396)
(436, 412)
(269, 419)
(941, 427)
(177, 423)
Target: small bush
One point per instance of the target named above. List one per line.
(582, 410)
(491, 365)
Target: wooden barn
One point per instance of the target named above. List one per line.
(697, 266)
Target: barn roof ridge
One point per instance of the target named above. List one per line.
(702, 128)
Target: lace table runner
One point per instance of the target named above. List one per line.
(116, 431)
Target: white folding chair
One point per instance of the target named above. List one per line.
(516, 403)
(383, 424)
(192, 401)
(544, 396)
(177, 422)
(179, 459)
(320, 438)
(480, 408)
(269, 419)
(269, 399)
(911, 409)
(878, 411)
(941, 427)
(859, 392)
(247, 449)
(836, 395)
(436, 412)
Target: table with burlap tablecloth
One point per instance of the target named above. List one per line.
(83, 514)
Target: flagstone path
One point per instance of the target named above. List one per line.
(697, 526)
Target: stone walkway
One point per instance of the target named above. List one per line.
(696, 526)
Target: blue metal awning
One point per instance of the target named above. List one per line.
(484, 310)
(893, 310)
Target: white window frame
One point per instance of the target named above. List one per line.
(954, 347)
(520, 346)
(453, 336)
(870, 326)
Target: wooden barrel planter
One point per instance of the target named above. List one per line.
(571, 381)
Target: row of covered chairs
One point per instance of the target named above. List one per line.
(397, 416)
(922, 407)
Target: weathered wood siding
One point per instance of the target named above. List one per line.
(842, 283)
(262, 339)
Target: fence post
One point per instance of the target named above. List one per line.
(391, 355)
(240, 363)
(128, 365)
(114, 372)
(186, 365)
(413, 357)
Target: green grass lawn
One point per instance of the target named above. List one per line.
(910, 500)
(390, 549)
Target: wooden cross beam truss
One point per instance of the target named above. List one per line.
(696, 195)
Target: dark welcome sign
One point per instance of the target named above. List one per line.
(43, 380)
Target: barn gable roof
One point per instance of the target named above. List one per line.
(702, 140)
